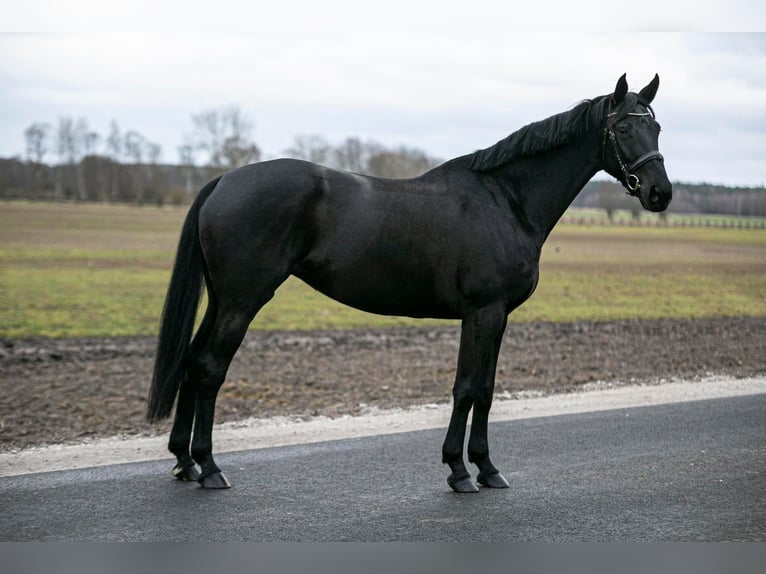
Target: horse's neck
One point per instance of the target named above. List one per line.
(543, 186)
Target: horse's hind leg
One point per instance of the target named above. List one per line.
(207, 372)
(180, 437)
(237, 303)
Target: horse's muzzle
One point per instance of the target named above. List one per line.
(658, 198)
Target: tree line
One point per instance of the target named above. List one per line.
(687, 198)
(70, 161)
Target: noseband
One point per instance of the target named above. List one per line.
(632, 182)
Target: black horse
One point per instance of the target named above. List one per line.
(462, 241)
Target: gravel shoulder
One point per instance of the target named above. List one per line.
(279, 431)
(59, 391)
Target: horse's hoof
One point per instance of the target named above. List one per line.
(494, 480)
(215, 480)
(463, 484)
(186, 473)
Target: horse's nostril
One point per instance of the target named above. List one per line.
(655, 197)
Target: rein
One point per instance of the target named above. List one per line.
(632, 181)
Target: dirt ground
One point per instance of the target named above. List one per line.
(66, 390)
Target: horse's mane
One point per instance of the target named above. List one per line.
(540, 136)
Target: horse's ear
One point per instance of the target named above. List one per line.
(647, 93)
(620, 90)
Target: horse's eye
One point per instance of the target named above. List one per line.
(622, 129)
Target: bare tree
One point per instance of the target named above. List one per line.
(153, 153)
(226, 135)
(37, 136)
(353, 154)
(85, 142)
(114, 142)
(88, 139)
(66, 149)
(399, 163)
(73, 142)
(312, 148)
(133, 150)
(133, 146)
(114, 152)
(66, 140)
(208, 134)
(368, 157)
(186, 155)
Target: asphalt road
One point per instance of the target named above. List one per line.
(683, 471)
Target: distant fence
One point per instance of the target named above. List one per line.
(721, 222)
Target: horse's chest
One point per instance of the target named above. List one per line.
(509, 272)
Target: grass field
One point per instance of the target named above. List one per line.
(98, 270)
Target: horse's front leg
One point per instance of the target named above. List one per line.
(477, 359)
(478, 444)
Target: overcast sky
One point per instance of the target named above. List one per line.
(445, 78)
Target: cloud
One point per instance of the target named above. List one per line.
(399, 76)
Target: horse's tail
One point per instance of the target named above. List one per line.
(178, 314)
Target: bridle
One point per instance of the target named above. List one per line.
(632, 182)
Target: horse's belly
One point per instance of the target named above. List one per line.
(385, 290)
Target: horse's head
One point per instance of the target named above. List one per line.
(630, 152)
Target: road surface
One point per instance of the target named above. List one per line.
(692, 470)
